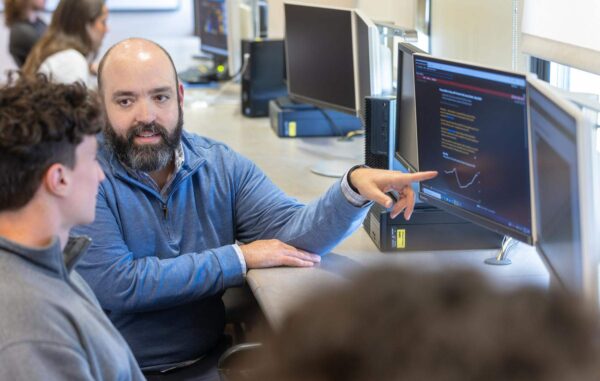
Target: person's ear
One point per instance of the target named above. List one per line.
(180, 93)
(56, 180)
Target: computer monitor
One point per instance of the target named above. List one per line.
(472, 129)
(406, 118)
(369, 65)
(565, 188)
(210, 24)
(331, 56)
(263, 17)
(242, 26)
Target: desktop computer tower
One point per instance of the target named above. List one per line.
(380, 131)
(263, 77)
(429, 228)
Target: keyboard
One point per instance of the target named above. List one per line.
(194, 75)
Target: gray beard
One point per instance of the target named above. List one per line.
(146, 158)
(149, 158)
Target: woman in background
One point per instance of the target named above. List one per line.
(71, 43)
(26, 28)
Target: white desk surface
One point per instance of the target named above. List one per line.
(287, 162)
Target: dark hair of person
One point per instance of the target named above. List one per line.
(392, 324)
(41, 123)
(15, 11)
(67, 30)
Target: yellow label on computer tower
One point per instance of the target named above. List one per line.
(400, 238)
(292, 129)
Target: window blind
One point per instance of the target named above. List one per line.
(563, 31)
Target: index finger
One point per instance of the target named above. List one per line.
(422, 176)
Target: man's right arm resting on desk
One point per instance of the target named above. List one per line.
(233, 203)
(125, 282)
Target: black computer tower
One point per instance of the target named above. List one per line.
(380, 131)
(429, 228)
(263, 77)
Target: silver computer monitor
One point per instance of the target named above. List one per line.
(565, 188)
(406, 150)
(332, 56)
(241, 25)
(368, 59)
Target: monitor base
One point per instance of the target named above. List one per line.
(498, 262)
(501, 259)
(333, 168)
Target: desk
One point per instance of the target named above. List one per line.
(287, 163)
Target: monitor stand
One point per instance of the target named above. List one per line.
(339, 155)
(333, 168)
(501, 259)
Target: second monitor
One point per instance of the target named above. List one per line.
(332, 57)
(406, 124)
(565, 183)
(472, 129)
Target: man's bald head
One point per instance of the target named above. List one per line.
(133, 51)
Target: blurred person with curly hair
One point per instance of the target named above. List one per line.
(393, 324)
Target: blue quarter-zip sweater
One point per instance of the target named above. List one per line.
(159, 264)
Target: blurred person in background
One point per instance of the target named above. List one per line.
(26, 27)
(75, 34)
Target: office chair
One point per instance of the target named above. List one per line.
(238, 363)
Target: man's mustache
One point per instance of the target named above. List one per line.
(147, 128)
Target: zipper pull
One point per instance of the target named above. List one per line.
(165, 210)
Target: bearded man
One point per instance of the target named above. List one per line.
(180, 218)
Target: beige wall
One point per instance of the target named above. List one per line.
(479, 31)
(399, 12)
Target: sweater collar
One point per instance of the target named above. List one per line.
(51, 257)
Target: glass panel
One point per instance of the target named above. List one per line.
(576, 81)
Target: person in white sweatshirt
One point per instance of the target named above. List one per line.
(72, 41)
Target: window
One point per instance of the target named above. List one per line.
(576, 81)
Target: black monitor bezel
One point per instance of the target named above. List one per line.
(463, 213)
(317, 102)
